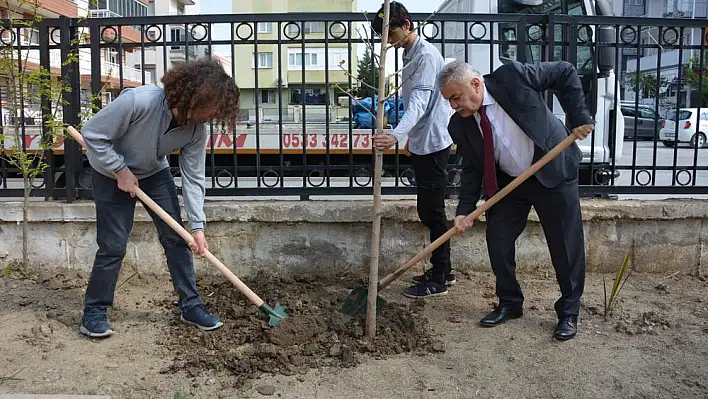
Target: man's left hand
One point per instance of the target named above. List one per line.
(582, 132)
(200, 245)
(384, 141)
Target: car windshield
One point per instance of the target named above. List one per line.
(682, 114)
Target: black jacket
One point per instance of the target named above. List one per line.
(518, 89)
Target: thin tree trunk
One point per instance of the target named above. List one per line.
(376, 227)
(25, 228)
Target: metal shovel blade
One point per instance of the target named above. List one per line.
(357, 302)
(274, 315)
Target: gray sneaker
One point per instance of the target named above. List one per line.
(95, 325)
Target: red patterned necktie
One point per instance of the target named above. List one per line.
(489, 181)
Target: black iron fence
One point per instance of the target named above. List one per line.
(305, 127)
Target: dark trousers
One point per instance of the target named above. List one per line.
(114, 220)
(558, 210)
(431, 180)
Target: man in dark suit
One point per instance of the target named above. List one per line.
(501, 126)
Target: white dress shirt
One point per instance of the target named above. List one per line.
(427, 113)
(513, 149)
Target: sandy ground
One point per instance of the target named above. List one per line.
(654, 346)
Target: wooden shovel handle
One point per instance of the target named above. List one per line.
(482, 208)
(145, 199)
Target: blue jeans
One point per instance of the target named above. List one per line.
(115, 211)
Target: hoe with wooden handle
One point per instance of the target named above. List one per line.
(356, 303)
(275, 315)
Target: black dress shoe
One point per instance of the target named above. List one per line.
(500, 315)
(567, 328)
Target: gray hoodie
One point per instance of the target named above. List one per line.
(132, 132)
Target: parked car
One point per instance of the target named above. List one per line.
(691, 128)
(643, 117)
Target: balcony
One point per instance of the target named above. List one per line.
(678, 14)
(103, 14)
(177, 54)
(131, 76)
(178, 35)
(110, 71)
(130, 33)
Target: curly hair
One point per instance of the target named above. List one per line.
(202, 83)
(397, 16)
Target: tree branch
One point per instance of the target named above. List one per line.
(368, 41)
(357, 79)
(370, 47)
(353, 98)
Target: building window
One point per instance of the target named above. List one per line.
(295, 59)
(314, 27)
(177, 35)
(312, 96)
(310, 27)
(266, 96)
(265, 27)
(314, 59)
(265, 60)
(30, 36)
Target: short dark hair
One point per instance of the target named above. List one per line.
(397, 16)
(201, 82)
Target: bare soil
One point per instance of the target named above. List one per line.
(654, 345)
(315, 334)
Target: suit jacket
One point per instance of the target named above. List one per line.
(518, 89)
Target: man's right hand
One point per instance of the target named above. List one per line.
(462, 225)
(127, 181)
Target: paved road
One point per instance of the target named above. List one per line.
(648, 156)
(645, 158)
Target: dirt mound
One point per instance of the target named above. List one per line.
(314, 335)
(647, 323)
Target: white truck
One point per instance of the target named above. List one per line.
(597, 72)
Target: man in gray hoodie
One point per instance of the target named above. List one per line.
(128, 143)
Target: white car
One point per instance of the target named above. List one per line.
(691, 129)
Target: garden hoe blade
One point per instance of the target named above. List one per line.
(274, 315)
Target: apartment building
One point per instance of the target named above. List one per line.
(648, 57)
(113, 62)
(159, 58)
(284, 71)
(156, 57)
(111, 68)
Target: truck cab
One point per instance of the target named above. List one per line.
(597, 71)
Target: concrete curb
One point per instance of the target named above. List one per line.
(331, 237)
(352, 211)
